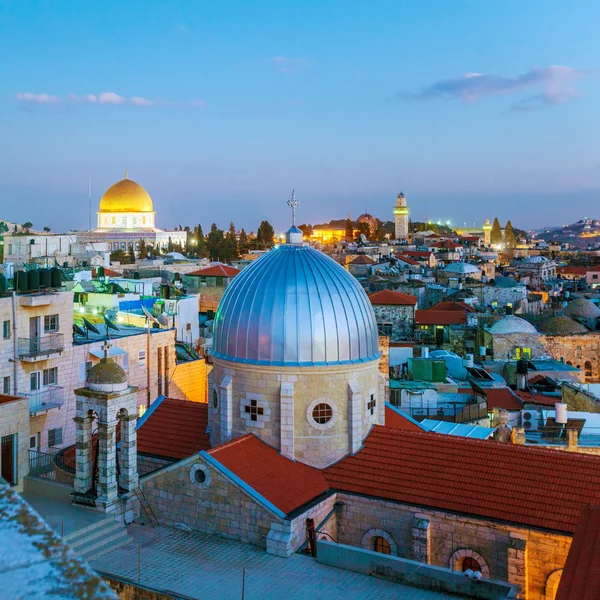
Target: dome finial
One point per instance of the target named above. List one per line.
(126, 173)
(106, 346)
(293, 203)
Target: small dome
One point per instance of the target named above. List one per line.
(461, 268)
(295, 306)
(582, 308)
(126, 196)
(107, 375)
(512, 324)
(562, 325)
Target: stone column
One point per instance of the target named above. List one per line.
(107, 464)
(128, 478)
(226, 399)
(287, 420)
(572, 439)
(83, 454)
(517, 561)
(421, 538)
(355, 412)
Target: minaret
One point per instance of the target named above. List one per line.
(401, 213)
(487, 233)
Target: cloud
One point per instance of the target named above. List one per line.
(37, 98)
(182, 28)
(138, 101)
(111, 98)
(556, 84)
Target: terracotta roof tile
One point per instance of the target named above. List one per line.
(440, 317)
(417, 253)
(503, 398)
(107, 273)
(407, 260)
(537, 398)
(395, 419)
(391, 297)
(362, 259)
(447, 305)
(531, 486)
(176, 429)
(216, 271)
(284, 483)
(580, 578)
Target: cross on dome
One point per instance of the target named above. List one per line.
(106, 346)
(293, 203)
(126, 173)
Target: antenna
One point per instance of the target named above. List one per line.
(90, 201)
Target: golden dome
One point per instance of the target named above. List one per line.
(126, 196)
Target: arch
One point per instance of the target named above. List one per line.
(552, 584)
(588, 368)
(458, 557)
(370, 537)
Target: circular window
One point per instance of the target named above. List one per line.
(200, 476)
(322, 413)
(215, 400)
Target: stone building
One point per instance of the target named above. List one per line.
(513, 337)
(14, 440)
(394, 313)
(401, 213)
(459, 270)
(538, 269)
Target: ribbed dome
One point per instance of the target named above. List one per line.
(126, 196)
(295, 306)
(106, 375)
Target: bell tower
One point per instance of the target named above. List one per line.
(401, 213)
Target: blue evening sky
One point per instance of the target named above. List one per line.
(219, 108)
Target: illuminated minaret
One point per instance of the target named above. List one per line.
(487, 233)
(401, 213)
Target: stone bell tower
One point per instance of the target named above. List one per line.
(401, 213)
(108, 399)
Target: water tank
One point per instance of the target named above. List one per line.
(136, 275)
(482, 351)
(55, 278)
(561, 413)
(425, 352)
(439, 371)
(21, 281)
(468, 360)
(100, 273)
(45, 278)
(33, 280)
(3, 285)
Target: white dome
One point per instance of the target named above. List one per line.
(461, 267)
(532, 260)
(513, 324)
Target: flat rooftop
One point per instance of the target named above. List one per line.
(207, 566)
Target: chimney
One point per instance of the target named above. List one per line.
(518, 435)
(572, 439)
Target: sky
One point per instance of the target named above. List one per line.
(219, 108)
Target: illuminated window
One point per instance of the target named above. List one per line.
(142, 409)
(322, 413)
(588, 368)
(578, 351)
(114, 220)
(523, 353)
(470, 563)
(381, 545)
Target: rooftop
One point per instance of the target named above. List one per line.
(219, 270)
(389, 297)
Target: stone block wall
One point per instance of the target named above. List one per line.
(149, 464)
(190, 381)
(576, 350)
(402, 319)
(14, 420)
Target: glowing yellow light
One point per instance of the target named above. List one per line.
(81, 309)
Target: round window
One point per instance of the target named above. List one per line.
(200, 476)
(215, 400)
(322, 413)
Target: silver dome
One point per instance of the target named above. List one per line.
(295, 306)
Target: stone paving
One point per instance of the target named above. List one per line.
(203, 566)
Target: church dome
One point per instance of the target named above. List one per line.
(295, 306)
(126, 196)
(107, 375)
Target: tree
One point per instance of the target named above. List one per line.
(509, 236)
(131, 254)
(119, 256)
(243, 242)
(230, 245)
(47, 229)
(265, 236)
(362, 228)
(143, 250)
(27, 226)
(349, 230)
(214, 242)
(170, 246)
(306, 230)
(496, 235)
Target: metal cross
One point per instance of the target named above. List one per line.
(106, 346)
(293, 203)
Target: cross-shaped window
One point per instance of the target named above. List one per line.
(371, 404)
(253, 410)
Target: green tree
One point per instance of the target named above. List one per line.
(362, 228)
(143, 250)
(119, 256)
(27, 226)
(131, 254)
(509, 236)
(230, 245)
(265, 236)
(214, 242)
(243, 242)
(349, 230)
(170, 246)
(47, 229)
(306, 230)
(496, 235)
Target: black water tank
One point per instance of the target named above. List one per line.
(55, 278)
(33, 280)
(21, 281)
(3, 285)
(45, 278)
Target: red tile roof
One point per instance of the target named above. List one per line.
(396, 420)
(580, 578)
(216, 271)
(572, 270)
(445, 244)
(407, 260)
(531, 486)
(107, 273)
(362, 259)
(391, 297)
(175, 429)
(537, 398)
(284, 483)
(447, 305)
(440, 317)
(503, 398)
(417, 253)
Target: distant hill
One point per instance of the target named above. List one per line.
(581, 234)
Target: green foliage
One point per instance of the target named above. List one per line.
(349, 230)
(243, 242)
(143, 251)
(509, 236)
(230, 250)
(27, 226)
(120, 256)
(306, 230)
(496, 234)
(265, 236)
(214, 242)
(47, 229)
(362, 228)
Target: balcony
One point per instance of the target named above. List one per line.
(43, 348)
(50, 397)
(40, 299)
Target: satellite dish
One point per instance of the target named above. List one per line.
(89, 326)
(110, 324)
(163, 320)
(150, 316)
(78, 330)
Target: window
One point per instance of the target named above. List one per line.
(523, 353)
(8, 459)
(6, 330)
(50, 376)
(578, 351)
(371, 403)
(55, 436)
(142, 408)
(252, 410)
(470, 563)
(215, 400)
(34, 381)
(113, 220)
(588, 368)
(6, 388)
(10, 251)
(385, 329)
(200, 476)
(51, 323)
(159, 370)
(381, 545)
(322, 413)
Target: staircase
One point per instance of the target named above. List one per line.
(98, 539)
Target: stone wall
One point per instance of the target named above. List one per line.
(149, 464)
(190, 381)
(402, 319)
(14, 420)
(504, 344)
(578, 399)
(576, 350)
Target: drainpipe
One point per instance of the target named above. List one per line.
(15, 344)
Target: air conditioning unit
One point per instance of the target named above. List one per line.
(531, 420)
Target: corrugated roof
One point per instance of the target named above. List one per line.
(392, 298)
(503, 398)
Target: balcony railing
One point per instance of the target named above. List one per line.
(456, 413)
(50, 397)
(32, 348)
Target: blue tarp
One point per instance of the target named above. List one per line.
(129, 305)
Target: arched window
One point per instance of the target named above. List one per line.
(588, 368)
(552, 584)
(470, 563)
(465, 558)
(381, 545)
